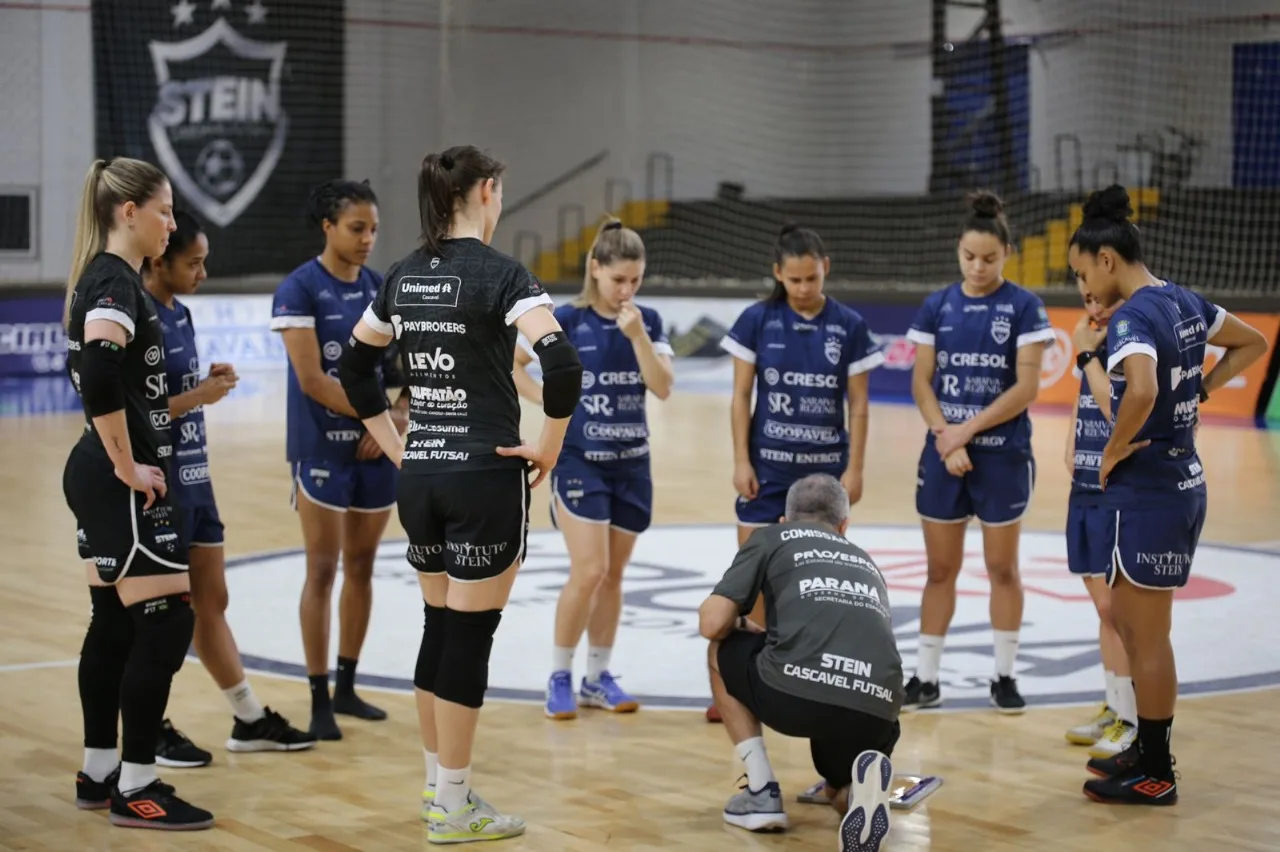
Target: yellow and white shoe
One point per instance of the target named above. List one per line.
(1118, 737)
(476, 820)
(1090, 732)
(428, 799)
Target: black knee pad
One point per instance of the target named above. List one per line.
(424, 674)
(463, 676)
(103, 656)
(163, 628)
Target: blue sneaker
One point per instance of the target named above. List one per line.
(560, 701)
(607, 695)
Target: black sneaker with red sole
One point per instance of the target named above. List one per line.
(95, 795)
(1119, 764)
(156, 806)
(1135, 787)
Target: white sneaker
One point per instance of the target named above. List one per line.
(1091, 731)
(1115, 739)
(866, 824)
(476, 820)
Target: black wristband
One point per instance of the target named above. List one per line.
(1204, 394)
(1083, 359)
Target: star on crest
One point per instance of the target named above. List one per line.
(183, 13)
(257, 12)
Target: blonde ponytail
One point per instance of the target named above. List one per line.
(90, 238)
(613, 242)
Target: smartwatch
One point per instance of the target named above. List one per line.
(1083, 359)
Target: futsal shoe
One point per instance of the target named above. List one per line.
(156, 806)
(560, 701)
(713, 714)
(758, 810)
(920, 695)
(95, 795)
(1093, 730)
(866, 824)
(350, 704)
(1135, 787)
(1117, 737)
(1006, 698)
(176, 751)
(476, 820)
(1110, 767)
(607, 695)
(270, 733)
(428, 799)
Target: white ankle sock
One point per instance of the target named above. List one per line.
(562, 660)
(929, 657)
(1006, 643)
(1126, 701)
(433, 762)
(597, 662)
(135, 776)
(752, 753)
(99, 762)
(452, 787)
(244, 704)
(1111, 691)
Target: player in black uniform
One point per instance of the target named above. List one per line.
(115, 484)
(453, 307)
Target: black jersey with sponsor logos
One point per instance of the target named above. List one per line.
(830, 632)
(453, 316)
(111, 289)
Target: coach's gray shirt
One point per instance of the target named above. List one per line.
(829, 633)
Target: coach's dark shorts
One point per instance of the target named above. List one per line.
(472, 526)
(113, 530)
(836, 735)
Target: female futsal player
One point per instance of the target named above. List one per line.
(808, 360)
(343, 486)
(1091, 531)
(979, 344)
(1150, 473)
(454, 307)
(602, 492)
(115, 484)
(178, 272)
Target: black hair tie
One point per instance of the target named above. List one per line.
(612, 226)
(446, 162)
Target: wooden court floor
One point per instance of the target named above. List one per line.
(653, 780)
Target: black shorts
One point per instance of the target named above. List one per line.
(472, 526)
(836, 735)
(113, 530)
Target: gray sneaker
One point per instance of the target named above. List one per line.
(760, 810)
(476, 820)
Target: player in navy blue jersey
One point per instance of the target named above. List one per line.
(344, 487)
(602, 492)
(1090, 531)
(1150, 473)
(979, 344)
(807, 358)
(178, 272)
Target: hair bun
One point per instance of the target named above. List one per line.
(985, 204)
(789, 228)
(1111, 204)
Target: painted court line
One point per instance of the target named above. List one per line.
(51, 664)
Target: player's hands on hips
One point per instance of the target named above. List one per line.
(145, 478)
(1112, 456)
(534, 456)
(958, 463)
(368, 448)
(744, 481)
(852, 481)
(951, 437)
(630, 322)
(1086, 338)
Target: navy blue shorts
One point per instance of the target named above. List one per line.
(1155, 544)
(1091, 536)
(201, 526)
(361, 486)
(769, 505)
(588, 494)
(997, 490)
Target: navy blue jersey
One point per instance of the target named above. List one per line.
(1171, 325)
(1092, 432)
(802, 380)
(189, 475)
(312, 298)
(976, 341)
(609, 426)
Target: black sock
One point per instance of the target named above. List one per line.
(346, 681)
(106, 648)
(1153, 745)
(319, 692)
(162, 634)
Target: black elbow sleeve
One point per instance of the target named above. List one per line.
(561, 374)
(99, 381)
(357, 372)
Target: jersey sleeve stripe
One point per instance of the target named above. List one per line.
(371, 320)
(1219, 318)
(737, 350)
(664, 349)
(1044, 335)
(924, 338)
(281, 323)
(875, 359)
(120, 318)
(1113, 363)
(525, 305)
